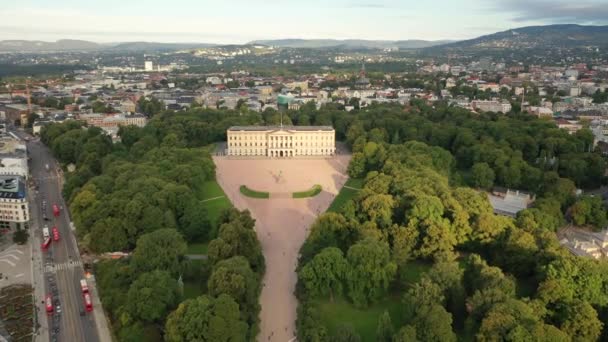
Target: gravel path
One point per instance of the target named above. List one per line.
(281, 224)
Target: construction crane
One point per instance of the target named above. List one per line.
(29, 97)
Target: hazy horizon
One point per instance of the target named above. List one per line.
(242, 21)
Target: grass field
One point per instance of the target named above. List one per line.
(253, 193)
(214, 199)
(197, 248)
(314, 191)
(365, 321)
(192, 289)
(356, 183)
(346, 194)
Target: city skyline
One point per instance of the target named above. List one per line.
(240, 21)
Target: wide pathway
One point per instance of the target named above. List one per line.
(282, 224)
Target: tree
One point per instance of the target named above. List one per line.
(589, 210)
(434, 324)
(406, 334)
(325, 274)
(235, 278)
(379, 209)
(478, 275)
(151, 296)
(356, 168)
(346, 333)
(512, 320)
(425, 312)
(309, 323)
(234, 239)
(206, 319)
(20, 236)
(371, 271)
(483, 176)
(194, 222)
(581, 322)
(329, 230)
(385, 330)
(163, 249)
(108, 235)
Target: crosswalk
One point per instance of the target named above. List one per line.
(62, 267)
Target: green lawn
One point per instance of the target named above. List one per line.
(197, 248)
(356, 183)
(253, 193)
(314, 191)
(192, 289)
(346, 194)
(365, 321)
(214, 199)
(211, 189)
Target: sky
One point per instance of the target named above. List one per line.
(240, 21)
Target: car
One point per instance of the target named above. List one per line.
(58, 309)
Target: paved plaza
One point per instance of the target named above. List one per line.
(282, 223)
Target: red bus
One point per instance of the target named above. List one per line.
(55, 210)
(83, 286)
(48, 302)
(55, 234)
(46, 243)
(88, 304)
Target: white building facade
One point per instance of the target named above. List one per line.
(281, 141)
(14, 209)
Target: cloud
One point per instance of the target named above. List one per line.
(556, 11)
(367, 5)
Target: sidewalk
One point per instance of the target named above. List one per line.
(41, 327)
(101, 321)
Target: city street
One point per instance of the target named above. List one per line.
(58, 270)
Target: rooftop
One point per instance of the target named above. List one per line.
(278, 128)
(12, 187)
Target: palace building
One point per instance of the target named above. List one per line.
(281, 141)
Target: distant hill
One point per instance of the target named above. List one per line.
(83, 45)
(535, 37)
(153, 46)
(40, 46)
(349, 43)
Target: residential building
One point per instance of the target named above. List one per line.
(541, 112)
(491, 106)
(114, 121)
(14, 209)
(281, 141)
(569, 125)
(509, 203)
(13, 157)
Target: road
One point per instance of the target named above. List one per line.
(62, 266)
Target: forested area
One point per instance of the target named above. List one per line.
(486, 278)
(478, 276)
(143, 195)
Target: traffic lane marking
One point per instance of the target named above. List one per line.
(8, 262)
